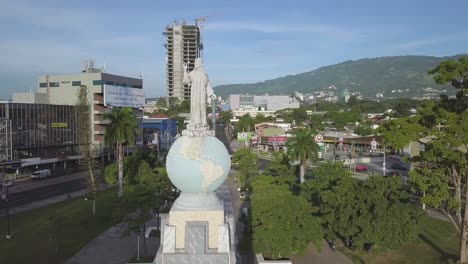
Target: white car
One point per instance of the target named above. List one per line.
(8, 183)
(41, 174)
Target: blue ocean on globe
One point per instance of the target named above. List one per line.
(198, 164)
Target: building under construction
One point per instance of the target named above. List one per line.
(183, 46)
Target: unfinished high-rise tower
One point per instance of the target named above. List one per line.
(183, 46)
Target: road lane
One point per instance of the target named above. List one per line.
(42, 193)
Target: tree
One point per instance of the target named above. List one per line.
(299, 115)
(442, 176)
(280, 168)
(111, 173)
(161, 103)
(173, 102)
(121, 131)
(399, 132)
(247, 164)
(245, 123)
(352, 101)
(302, 147)
(150, 192)
(452, 71)
(225, 117)
(342, 118)
(184, 107)
(445, 167)
(282, 224)
(316, 122)
(402, 108)
(364, 214)
(363, 130)
(456, 73)
(83, 112)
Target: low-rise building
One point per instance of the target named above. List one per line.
(267, 102)
(253, 112)
(40, 130)
(105, 91)
(159, 131)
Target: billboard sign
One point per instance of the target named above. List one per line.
(277, 140)
(244, 136)
(59, 125)
(318, 138)
(119, 96)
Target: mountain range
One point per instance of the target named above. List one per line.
(395, 76)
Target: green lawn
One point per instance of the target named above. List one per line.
(54, 233)
(437, 243)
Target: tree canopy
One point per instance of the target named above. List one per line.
(247, 164)
(442, 168)
(453, 72)
(282, 224)
(364, 214)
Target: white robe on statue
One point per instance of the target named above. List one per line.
(200, 91)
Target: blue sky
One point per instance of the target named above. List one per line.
(245, 41)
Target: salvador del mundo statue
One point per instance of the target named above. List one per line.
(197, 229)
(200, 92)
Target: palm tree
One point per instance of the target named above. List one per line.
(302, 147)
(122, 130)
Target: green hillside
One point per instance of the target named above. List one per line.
(368, 76)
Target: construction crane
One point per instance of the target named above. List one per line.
(200, 22)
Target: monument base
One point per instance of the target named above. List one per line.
(192, 233)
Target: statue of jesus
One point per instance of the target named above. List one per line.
(200, 91)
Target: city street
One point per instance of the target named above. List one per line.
(29, 191)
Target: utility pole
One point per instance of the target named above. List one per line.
(213, 113)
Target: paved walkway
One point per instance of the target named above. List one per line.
(112, 248)
(325, 256)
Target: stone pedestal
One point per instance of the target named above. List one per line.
(197, 229)
(197, 235)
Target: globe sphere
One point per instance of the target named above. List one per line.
(198, 164)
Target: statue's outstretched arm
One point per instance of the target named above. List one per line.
(186, 79)
(209, 90)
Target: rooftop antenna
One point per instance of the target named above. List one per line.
(141, 75)
(88, 64)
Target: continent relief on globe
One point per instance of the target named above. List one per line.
(198, 164)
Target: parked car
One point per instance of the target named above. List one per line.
(398, 166)
(41, 174)
(362, 168)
